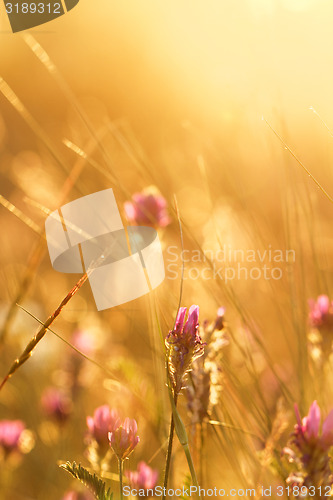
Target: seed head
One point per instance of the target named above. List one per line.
(184, 345)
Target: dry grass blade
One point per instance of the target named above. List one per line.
(33, 263)
(20, 215)
(10, 95)
(322, 121)
(82, 354)
(182, 254)
(45, 59)
(41, 332)
(82, 154)
(299, 161)
(27, 279)
(110, 374)
(38, 253)
(233, 427)
(110, 176)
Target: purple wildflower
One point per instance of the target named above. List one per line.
(147, 208)
(321, 312)
(144, 477)
(104, 421)
(56, 404)
(123, 439)
(83, 341)
(307, 431)
(184, 345)
(10, 435)
(309, 449)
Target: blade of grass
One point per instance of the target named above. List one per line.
(47, 62)
(182, 258)
(322, 121)
(39, 251)
(172, 396)
(10, 95)
(42, 331)
(20, 215)
(91, 360)
(183, 438)
(299, 161)
(176, 421)
(233, 427)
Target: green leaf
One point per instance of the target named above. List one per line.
(183, 439)
(96, 485)
(179, 425)
(186, 486)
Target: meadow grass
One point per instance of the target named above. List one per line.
(229, 422)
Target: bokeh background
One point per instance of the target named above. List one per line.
(176, 92)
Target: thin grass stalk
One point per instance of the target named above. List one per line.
(192, 469)
(120, 466)
(42, 331)
(202, 472)
(175, 396)
(34, 261)
(182, 437)
(40, 248)
(299, 162)
(10, 95)
(245, 316)
(45, 59)
(169, 451)
(176, 423)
